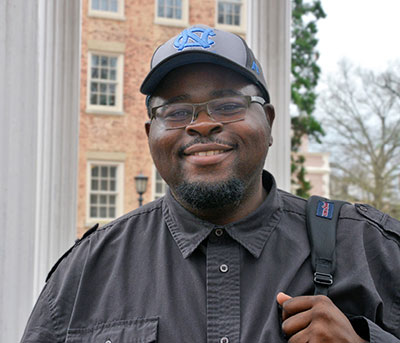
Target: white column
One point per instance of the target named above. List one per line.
(39, 112)
(268, 35)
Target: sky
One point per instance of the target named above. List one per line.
(367, 32)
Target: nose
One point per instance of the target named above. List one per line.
(203, 125)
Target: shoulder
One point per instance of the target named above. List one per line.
(291, 203)
(122, 227)
(372, 220)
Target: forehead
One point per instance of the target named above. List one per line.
(197, 80)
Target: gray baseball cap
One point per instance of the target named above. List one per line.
(203, 44)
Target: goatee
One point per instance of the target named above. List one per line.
(205, 195)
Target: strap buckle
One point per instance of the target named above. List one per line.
(323, 279)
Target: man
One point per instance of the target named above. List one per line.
(216, 259)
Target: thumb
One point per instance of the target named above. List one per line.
(282, 297)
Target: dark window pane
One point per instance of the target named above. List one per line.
(104, 61)
(104, 74)
(93, 99)
(103, 100)
(93, 199)
(169, 12)
(178, 13)
(95, 185)
(158, 187)
(93, 86)
(111, 199)
(161, 10)
(111, 89)
(237, 9)
(104, 185)
(113, 171)
(95, 171)
(112, 185)
(103, 212)
(111, 100)
(229, 20)
(104, 171)
(95, 73)
(103, 88)
(237, 21)
(111, 212)
(113, 74)
(93, 211)
(103, 199)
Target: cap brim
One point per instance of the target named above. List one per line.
(154, 77)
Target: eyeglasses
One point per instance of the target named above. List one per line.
(223, 110)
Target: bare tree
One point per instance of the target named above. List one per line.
(361, 113)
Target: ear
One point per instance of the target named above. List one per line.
(147, 127)
(270, 113)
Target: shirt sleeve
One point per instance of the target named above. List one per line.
(41, 326)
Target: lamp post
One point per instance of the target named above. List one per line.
(141, 185)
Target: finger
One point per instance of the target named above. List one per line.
(282, 297)
(300, 337)
(297, 323)
(302, 303)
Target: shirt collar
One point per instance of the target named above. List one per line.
(252, 232)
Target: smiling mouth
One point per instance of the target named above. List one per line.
(209, 153)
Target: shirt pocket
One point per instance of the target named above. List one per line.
(140, 330)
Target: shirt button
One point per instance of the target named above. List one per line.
(219, 232)
(224, 340)
(223, 269)
(363, 208)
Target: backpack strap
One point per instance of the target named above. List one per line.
(322, 219)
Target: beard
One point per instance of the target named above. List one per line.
(203, 195)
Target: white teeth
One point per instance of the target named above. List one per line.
(208, 153)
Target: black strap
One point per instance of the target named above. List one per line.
(322, 219)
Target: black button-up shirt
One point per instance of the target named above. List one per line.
(160, 274)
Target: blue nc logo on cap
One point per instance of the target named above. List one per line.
(194, 37)
(325, 209)
(255, 67)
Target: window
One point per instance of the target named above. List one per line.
(105, 190)
(113, 9)
(230, 15)
(160, 186)
(171, 12)
(169, 9)
(105, 82)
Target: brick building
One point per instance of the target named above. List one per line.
(118, 39)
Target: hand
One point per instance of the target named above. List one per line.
(315, 319)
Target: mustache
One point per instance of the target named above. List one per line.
(205, 140)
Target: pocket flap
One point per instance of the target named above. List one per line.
(139, 330)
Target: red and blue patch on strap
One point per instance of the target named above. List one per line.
(325, 209)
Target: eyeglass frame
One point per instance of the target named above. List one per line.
(250, 99)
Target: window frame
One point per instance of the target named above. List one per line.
(173, 21)
(157, 179)
(233, 28)
(120, 15)
(90, 221)
(104, 109)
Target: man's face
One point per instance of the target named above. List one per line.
(206, 151)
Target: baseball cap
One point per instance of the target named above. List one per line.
(203, 44)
